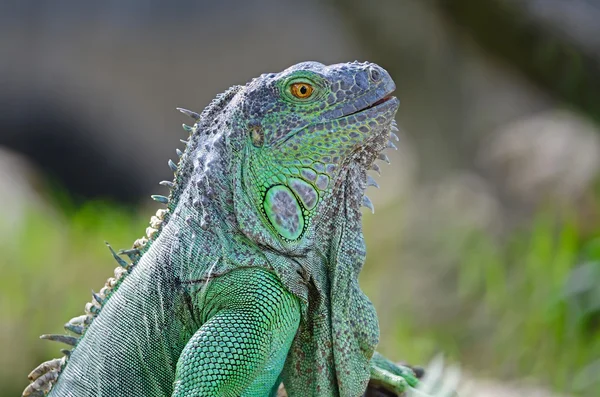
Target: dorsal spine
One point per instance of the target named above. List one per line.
(46, 374)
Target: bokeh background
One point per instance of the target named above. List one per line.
(485, 240)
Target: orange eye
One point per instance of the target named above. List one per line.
(301, 90)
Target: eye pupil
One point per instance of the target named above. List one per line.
(301, 90)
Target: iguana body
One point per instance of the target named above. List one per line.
(249, 277)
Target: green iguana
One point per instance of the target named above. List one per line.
(248, 278)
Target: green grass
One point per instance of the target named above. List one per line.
(518, 307)
(49, 265)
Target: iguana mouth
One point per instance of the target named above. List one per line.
(373, 105)
(382, 100)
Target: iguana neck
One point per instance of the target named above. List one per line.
(203, 222)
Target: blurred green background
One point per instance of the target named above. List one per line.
(485, 243)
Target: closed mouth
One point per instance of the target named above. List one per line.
(374, 105)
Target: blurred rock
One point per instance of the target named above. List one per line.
(553, 155)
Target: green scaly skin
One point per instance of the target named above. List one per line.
(249, 277)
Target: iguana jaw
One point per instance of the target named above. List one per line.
(380, 137)
(375, 105)
(353, 179)
(382, 112)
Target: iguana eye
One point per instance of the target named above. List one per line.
(301, 90)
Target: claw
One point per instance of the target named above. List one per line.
(419, 371)
(172, 166)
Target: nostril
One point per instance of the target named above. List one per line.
(374, 74)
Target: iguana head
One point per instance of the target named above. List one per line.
(302, 137)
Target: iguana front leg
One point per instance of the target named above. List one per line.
(391, 376)
(390, 379)
(241, 348)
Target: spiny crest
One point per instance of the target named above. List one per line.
(46, 374)
(43, 377)
(370, 181)
(200, 129)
